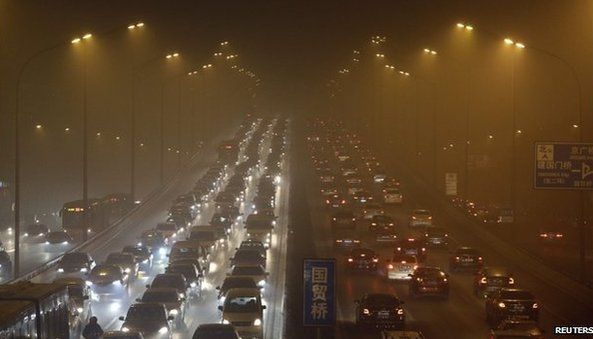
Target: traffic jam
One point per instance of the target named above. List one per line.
(178, 256)
(378, 233)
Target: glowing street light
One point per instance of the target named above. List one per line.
(224, 43)
(465, 26)
(575, 126)
(430, 51)
(136, 25)
(172, 55)
(38, 126)
(67, 129)
(519, 45)
(380, 55)
(509, 41)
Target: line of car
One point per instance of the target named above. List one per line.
(355, 189)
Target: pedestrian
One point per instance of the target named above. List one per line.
(92, 330)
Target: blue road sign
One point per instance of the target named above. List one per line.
(560, 165)
(319, 292)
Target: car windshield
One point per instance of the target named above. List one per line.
(467, 251)
(436, 231)
(146, 314)
(422, 212)
(252, 244)
(248, 254)
(36, 228)
(160, 296)
(362, 253)
(167, 281)
(381, 300)
(218, 333)
(119, 258)
(101, 271)
(404, 258)
(166, 227)
(248, 270)
(382, 218)
(187, 271)
(72, 258)
(137, 251)
(203, 235)
(516, 294)
(430, 272)
(75, 291)
(242, 304)
(57, 235)
(231, 282)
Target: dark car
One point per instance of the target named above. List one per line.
(490, 279)
(168, 296)
(381, 221)
(216, 331)
(248, 257)
(343, 220)
(517, 329)
(192, 275)
(465, 258)
(429, 281)
(222, 220)
(35, 232)
(251, 244)
(58, 237)
(436, 236)
(511, 303)
(155, 241)
(411, 246)
(380, 310)
(362, 259)
(142, 256)
(234, 282)
(174, 280)
(75, 262)
(126, 261)
(335, 201)
(122, 335)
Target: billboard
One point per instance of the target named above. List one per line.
(319, 292)
(561, 165)
(451, 183)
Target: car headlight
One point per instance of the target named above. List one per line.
(125, 329)
(145, 261)
(117, 282)
(163, 330)
(26, 234)
(65, 242)
(88, 283)
(174, 312)
(257, 322)
(79, 310)
(162, 251)
(84, 270)
(181, 295)
(193, 284)
(261, 282)
(128, 270)
(224, 321)
(61, 270)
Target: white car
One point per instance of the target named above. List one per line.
(392, 196)
(243, 309)
(420, 217)
(401, 266)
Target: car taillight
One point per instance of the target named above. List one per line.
(535, 305)
(543, 235)
(415, 267)
(456, 258)
(479, 258)
(327, 201)
(559, 235)
(375, 259)
(350, 260)
(400, 311)
(501, 305)
(390, 266)
(423, 249)
(366, 311)
(343, 201)
(511, 281)
(334, 219)
(483, 280)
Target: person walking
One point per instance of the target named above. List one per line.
(92, 330)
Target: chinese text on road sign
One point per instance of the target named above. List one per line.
(319, 292)
(563, 165)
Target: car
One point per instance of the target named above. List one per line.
(248, 257)
(35, 232)
(174, 280)
(126, 261)
(465, 258)
(335, 201)
(216, 331)
(516, 329)
(80, 294)
(343, 220)
(402, 335)
(420, 217)
(155, 241)
(551, 236)
(192, 275)
(429, 280)
(490, 279)
(363, 259)
(222, 220)
(206, 237)
(237, 281)
(401, 266)
(435, 236)
(5, 265)
(169, 229)
(380, 310)
(345, 241)
(108, 281)
(352, 178)
(190, 250)
(189, 212)
(411, 246)
(372, 209)
(251, 244)
(180, 222)
(392, 195)
(328, 188)
(58, 237)
(150, 319)
(243, 309)
(122, 335)
(142, 256)
(381, 221)
(74, 262)
(257, 273)
(260, 229)
(511, 303)
(168, 296)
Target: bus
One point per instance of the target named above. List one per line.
(31, 310)
(101, 213)
(228, 152)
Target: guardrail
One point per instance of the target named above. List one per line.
(116, 226)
